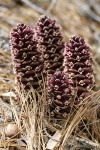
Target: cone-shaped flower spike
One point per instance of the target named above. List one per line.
(26, 58)
(51, 44)
(78, 66)
(60, 94)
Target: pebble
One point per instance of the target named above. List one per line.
(11, 130)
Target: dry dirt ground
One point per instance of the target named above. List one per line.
(80, 17)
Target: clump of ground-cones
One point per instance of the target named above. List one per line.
(41, 52)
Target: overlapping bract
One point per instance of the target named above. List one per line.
(26, 58)
(50, 43)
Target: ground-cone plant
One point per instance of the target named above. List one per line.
(60, 94)
(50, 44)
(26, 58)
(78, 66)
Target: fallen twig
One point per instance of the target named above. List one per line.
(41, 10)
(51, 6)
(33, 6)
(54, 140)
(88, 144)
(86, 10)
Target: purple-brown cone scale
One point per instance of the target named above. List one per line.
(26, 59)
(60, 94)
(78, 66)
(51, 44)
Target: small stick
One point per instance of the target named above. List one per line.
(86, 10)
(39, 9)
(51, 6)
(88, 144)
(33, 6)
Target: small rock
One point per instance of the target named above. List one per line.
(11, 130)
